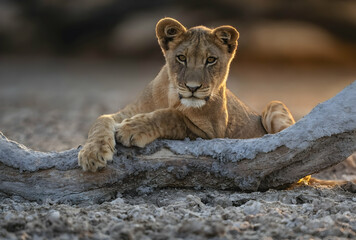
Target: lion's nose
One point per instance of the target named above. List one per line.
(193, 88)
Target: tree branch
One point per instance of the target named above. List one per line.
(323, 138)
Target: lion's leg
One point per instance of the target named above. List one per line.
(100, 145)
(144, 128)
(276, 117)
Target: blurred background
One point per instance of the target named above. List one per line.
(319, 31)
(63, 62)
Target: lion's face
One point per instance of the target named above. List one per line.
(198, 59)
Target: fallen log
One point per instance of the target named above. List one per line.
(323, 138)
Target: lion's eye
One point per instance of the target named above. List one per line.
(181, 58)
(211, 60)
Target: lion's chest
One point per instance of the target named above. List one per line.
(207, 126)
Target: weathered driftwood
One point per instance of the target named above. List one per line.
(322, 139)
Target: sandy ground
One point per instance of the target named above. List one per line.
(49, 106)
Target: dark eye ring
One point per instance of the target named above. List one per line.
(181, 58)
(211, 60)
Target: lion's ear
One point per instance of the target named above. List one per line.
(228, 36)
(168, 30)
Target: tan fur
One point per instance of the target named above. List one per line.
(188, 98)
(276, 117)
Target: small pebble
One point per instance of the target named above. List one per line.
(252, 207)
(54, 216)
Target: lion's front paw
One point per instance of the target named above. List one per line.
(96, 153)
(135, 132)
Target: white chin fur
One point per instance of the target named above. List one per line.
(193, 102)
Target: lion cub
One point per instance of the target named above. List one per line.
(188, 98)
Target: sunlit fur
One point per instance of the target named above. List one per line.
(188, 98)
(276, 117)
